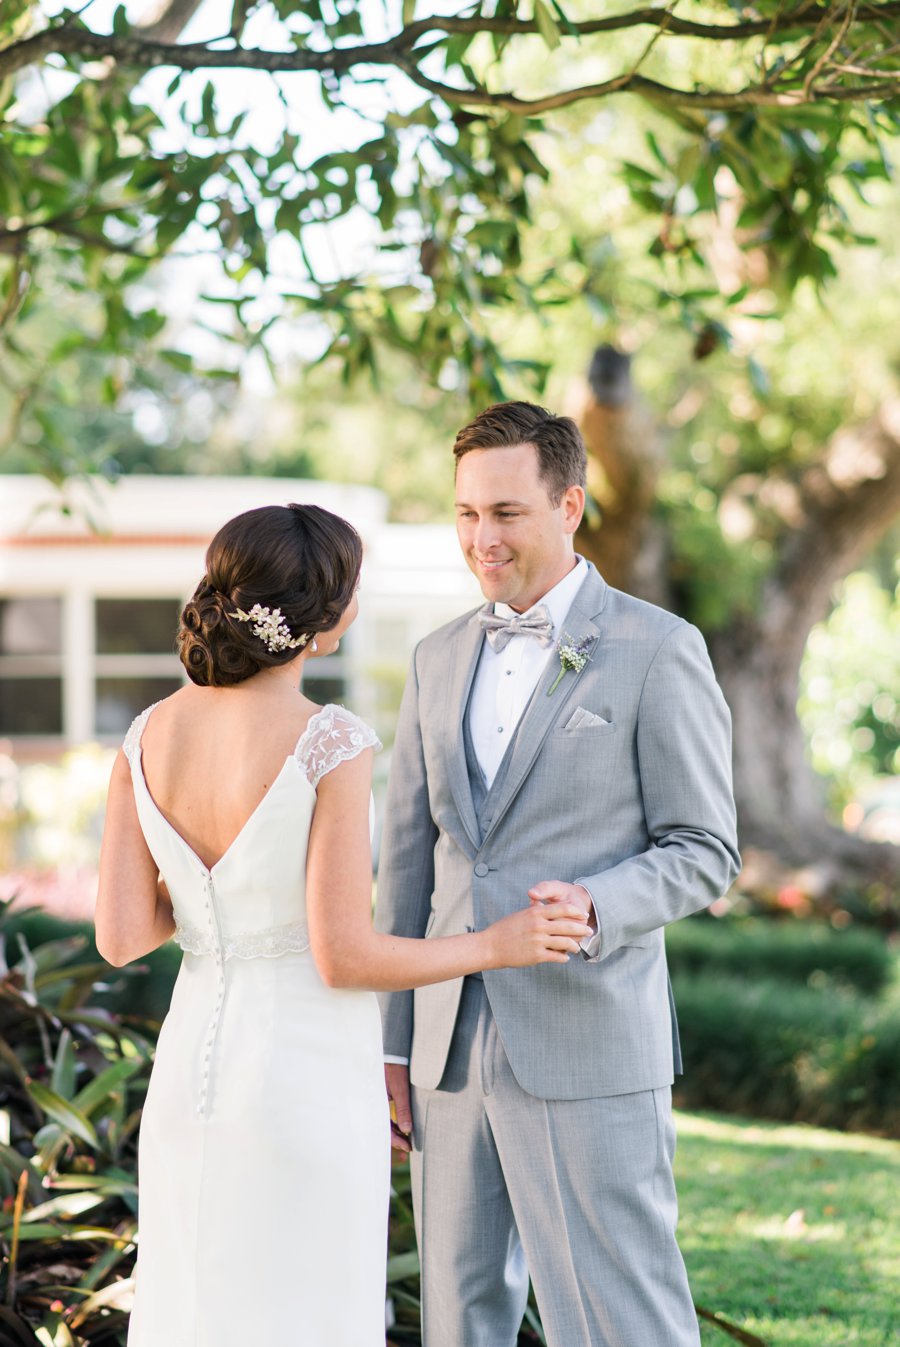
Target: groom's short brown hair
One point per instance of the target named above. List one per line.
(562, 458)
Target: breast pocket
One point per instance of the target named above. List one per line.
(587, 730)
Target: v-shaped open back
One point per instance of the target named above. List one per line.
(141, 780)
(260, 878)
(328, 731)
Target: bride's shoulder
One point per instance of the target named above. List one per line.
(332, 735)
(132, 741)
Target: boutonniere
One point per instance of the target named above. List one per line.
(573, 655)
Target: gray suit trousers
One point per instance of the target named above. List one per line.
(577, 1192)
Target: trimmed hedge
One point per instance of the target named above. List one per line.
(772, 1050)
(803, 952)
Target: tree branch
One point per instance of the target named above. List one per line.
(847, 499)
(793, 22)
(825, 56)
(136, 50)
(67, 224)
(714, 100)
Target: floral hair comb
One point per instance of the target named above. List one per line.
(269, 625)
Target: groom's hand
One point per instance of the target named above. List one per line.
(556, 890)
(396, 1079)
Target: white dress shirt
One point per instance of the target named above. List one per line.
(506, 679)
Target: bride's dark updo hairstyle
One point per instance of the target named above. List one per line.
(299, 558)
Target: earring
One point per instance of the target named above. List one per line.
(314, 647)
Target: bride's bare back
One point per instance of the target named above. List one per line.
(210, 756)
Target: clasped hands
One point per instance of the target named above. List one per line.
(397, 1076)
(558, 891)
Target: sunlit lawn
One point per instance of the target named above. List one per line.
(793, 1233)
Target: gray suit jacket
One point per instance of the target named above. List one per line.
(640, 810)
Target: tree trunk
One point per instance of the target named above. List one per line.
(833, 514)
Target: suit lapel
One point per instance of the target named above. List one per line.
(464, 655)
(543, 710)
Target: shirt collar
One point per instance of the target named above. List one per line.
(557, 600)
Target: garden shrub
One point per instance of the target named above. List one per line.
(73, 1078)
(802, 1054)
(796, 951)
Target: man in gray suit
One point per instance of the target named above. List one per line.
(564, 741)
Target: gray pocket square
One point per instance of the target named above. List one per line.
(581, 718)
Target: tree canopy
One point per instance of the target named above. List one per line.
(427, 137)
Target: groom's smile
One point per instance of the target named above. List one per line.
(514, 538)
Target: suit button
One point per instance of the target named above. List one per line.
(481, 869)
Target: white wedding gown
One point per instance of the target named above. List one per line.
(264, 1158)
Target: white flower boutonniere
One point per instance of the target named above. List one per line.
(573, 655)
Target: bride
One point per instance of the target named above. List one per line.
(238, 822)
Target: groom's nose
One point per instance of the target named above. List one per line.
(485, 537)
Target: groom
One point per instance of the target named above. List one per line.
(539, 1107)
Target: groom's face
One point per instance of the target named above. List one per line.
(515, 540)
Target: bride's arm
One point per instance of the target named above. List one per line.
(350, 953)
(133, 914)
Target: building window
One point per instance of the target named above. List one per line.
(135, 663)
(88, 669)
(137, 626)
(31, 666)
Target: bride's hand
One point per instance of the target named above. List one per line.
(540, 933)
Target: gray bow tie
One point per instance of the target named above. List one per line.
(501, 630)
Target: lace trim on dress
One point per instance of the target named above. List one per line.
(132, 741)
(270, 943)
(332, 736)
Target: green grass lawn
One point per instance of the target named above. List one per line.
(791, 1232)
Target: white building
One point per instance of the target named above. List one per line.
(89, 599)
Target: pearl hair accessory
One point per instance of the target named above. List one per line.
(271, 628)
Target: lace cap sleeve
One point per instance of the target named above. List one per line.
(131, 744)
(332, 736)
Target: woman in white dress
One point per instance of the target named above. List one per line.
(238, 822)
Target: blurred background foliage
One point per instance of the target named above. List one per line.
(849, 700)
(324, 270)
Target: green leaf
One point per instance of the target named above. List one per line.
(40, 1231)
(50, 955)
(64, 1113)
(564, 20)
(178, 360)
(110, 1184)
(62, 1079)
(106, 1084)
(547, 25)
(402, 1265)
(67, 1204)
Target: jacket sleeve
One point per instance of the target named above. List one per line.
(684, 761)
(406, 864)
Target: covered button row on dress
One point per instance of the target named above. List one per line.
(212, 1032)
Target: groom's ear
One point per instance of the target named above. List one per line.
(572, 506)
